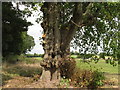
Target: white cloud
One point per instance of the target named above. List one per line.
(37, 49)
(36, 32)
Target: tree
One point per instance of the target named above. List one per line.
(14, 31)
(61, 21)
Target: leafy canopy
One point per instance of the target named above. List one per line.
(14, 31)
(100, 25)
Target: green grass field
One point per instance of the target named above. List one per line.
(30, 67)
(73, 56)
(101, 65)
(35, 58)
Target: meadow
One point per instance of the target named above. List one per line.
(111, 72)
(100, 65)
(28, 71)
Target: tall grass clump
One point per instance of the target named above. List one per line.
(81, 78)
(87, 78)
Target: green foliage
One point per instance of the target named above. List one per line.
(11, 58)
(72, 53)
(25, 71)
(103, 31)
(38, 55)
(28, 42)
(29, 55)
(97, 79)
(99, 28)
(96, 58)
(87, 78)
(112, 62)
(104, 67)
(85, 56)
(102, 55)
(73, 56)
(14, 31)
(65, 82)
(34, 55)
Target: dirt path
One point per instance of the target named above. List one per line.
(26, 82)
(17, 82)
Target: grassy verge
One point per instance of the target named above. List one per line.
(32, 60)
(101, 65)
(26, 67)
(73, 56)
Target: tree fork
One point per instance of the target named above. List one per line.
(56, 43)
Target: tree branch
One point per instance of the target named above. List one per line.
(89, 17)
(73, 25)
(88, 10)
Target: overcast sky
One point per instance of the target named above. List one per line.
(36, 32)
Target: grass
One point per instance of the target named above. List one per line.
(22, 69)
(73, 56)
(30, 67)
(38, 58)
(101, 65)
(32, 60)
(26, 67)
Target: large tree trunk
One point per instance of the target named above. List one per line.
(51, 43)
(56, 41)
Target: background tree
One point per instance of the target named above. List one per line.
(91, 22)
(15, 40)
(107, 22)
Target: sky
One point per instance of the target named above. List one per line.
(36, 32)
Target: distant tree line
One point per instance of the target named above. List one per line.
(34, 55)
(86, 56)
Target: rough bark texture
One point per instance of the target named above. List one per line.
(51, 42)
(56, 43)
(56, 39)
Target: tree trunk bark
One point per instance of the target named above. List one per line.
(51, 43)
(56, 42)
(57, 38)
